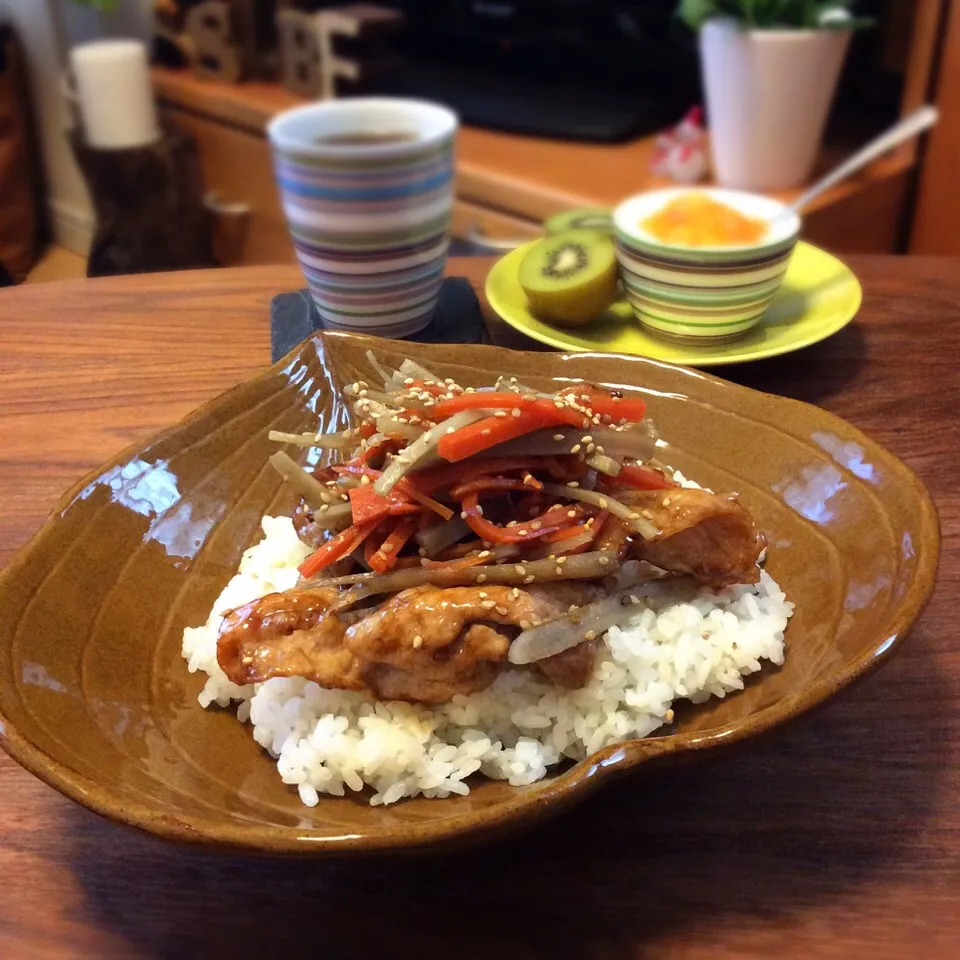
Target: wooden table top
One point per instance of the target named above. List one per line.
(838, 837)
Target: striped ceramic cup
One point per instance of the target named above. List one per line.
(702, 294)
(367, 189)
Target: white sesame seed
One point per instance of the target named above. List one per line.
(500, 413)
(571, 513)
(558, 436)
(515, 412)
(364, 480)
(529, 579)
(590, 635)
(515, 593)
(519, 569)
(573, 483)
(603, 503)
(603, 561)
(488, 604)
(502, 610)
(417, 642)
(575, 448)
(483, 554)
(483, 594)
(482, 578)
(486, 432)
(669, 715)
(559, 571)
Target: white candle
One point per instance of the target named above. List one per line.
(114, 94)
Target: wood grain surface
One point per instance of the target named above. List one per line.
(838, 837)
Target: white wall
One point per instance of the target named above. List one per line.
(43, 37)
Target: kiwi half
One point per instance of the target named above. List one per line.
(570, 278)
(585, 218)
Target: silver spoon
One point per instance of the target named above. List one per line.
(909, 127)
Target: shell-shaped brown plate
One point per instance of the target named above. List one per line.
(95, 699)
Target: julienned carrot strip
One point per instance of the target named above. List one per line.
(402, 487)
(491, 485)
(476, 437)
(554, 412)
(366, 504)
(643, 478)
(525, 532)
(385, 556)
(606, 404)
(343, 544)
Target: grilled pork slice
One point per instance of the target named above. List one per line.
(425, 644)
(706, 535)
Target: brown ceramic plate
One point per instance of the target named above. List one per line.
(95, 699)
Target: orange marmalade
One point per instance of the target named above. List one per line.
(697, 220)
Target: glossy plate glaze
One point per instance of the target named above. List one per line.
(96, 700)
(820, 296)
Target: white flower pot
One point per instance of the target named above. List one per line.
(768, 95)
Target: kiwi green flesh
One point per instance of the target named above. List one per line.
(567, 261)
(571, 278)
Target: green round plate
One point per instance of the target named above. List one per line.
(820, 295)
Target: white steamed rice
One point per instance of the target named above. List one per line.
(331, 741)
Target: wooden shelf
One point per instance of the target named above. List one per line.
(528, 178)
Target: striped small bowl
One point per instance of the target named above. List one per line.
(370, 221)
(705, 294)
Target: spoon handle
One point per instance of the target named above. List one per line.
(909, 127)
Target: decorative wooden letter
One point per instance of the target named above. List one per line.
(367, 28)
(299, 38)
(210, 27)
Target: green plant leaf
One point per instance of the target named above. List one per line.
(768, 14)
(695, 13)
(104, 6)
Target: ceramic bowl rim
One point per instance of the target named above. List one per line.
(441, 122)
(628, 212)
(527, 804)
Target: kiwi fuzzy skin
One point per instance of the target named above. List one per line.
(574, 309)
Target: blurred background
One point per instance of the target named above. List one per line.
(565, 104)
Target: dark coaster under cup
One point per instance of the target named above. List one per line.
(457, 319)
